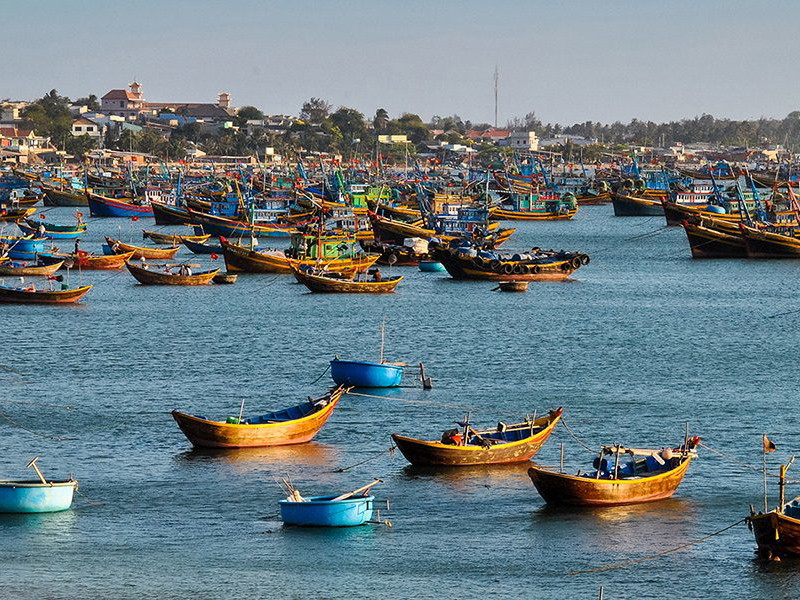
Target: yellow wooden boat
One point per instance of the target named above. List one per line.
(239, 259)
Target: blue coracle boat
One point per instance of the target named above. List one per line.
(431, 266)
(35, 496)
(325, 511)
(362, 373)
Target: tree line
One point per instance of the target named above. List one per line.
(346, 131)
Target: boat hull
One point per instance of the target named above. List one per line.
(22, 296)
(428, 453)
(35, 496)
(765, 244)
(118, 247)
(562, 489)
(53, 197)
(710, 242)
(365, 374)
(323, 511)
(776, 535)
(165, 214)
(636, 206)
(325, 284)
(213, 434)
(148, 277)
(100, 206)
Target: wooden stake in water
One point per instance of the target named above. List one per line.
(562, 457)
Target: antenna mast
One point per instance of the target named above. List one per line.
(496, 79)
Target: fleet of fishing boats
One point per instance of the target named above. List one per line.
(339, 227)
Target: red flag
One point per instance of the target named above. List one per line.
(42, 216)
(134, 218)
(768, 444)
(214, 256)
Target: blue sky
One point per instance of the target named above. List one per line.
(568, 61)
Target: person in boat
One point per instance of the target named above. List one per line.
(185, 270)
(79, 217)
(77, 245)
(452, 437)
(41, 230)
(377, 275)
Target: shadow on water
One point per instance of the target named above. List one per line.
(48, 524)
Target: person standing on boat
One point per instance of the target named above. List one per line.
(77, 245)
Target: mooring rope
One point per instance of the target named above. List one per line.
(575, 437)
(390, 450)
(31, 431)
(628, 563)
(321, 375)
(641, 236)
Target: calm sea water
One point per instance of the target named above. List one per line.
(644, 340)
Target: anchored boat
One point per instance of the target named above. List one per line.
(36, 496)
(467, 446)
(293, 425)
(649, 475)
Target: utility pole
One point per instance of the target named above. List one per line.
(496, 79)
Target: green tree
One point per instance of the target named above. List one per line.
(315, 111)
(79, 146)
(50, 116)
(381, 120)
(248, 113)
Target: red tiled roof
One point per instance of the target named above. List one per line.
(497, 134)
(12, 132)
(119, 95)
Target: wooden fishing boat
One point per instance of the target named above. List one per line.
(649, 476)
(713, 238)
(467, 263)
(536, 206)
(777, 531)
(68, 197)
(201, 248)
(93, 262)
(766, 243)
(118, 247)
(324, 281)
(390, 230)
(589, 199)
(147, 276)
(30, 295)
(629, 205)
(169, 214)
(53, 231)
(466, 446)
(44, 265)
(223, 226)
(241, 259)
(294, 425)
(102, 206)
(172, 239)
(12, 215)
(22, 248)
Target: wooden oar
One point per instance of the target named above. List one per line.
(363, 490)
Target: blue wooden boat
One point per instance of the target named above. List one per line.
(22, 248)
(53, 232)
(201, 248)
(102, 206)
(362, 373)
(36, 496)
(431, 266)
(326, 511)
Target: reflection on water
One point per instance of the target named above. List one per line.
(54, 524)
(312, 454)
(635, 528)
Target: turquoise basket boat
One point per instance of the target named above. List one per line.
(431, 266)
(35, 496)
(324, 511)
(361, 373)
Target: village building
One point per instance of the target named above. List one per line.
(521, 140)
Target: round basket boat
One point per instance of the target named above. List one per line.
(324, 511)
